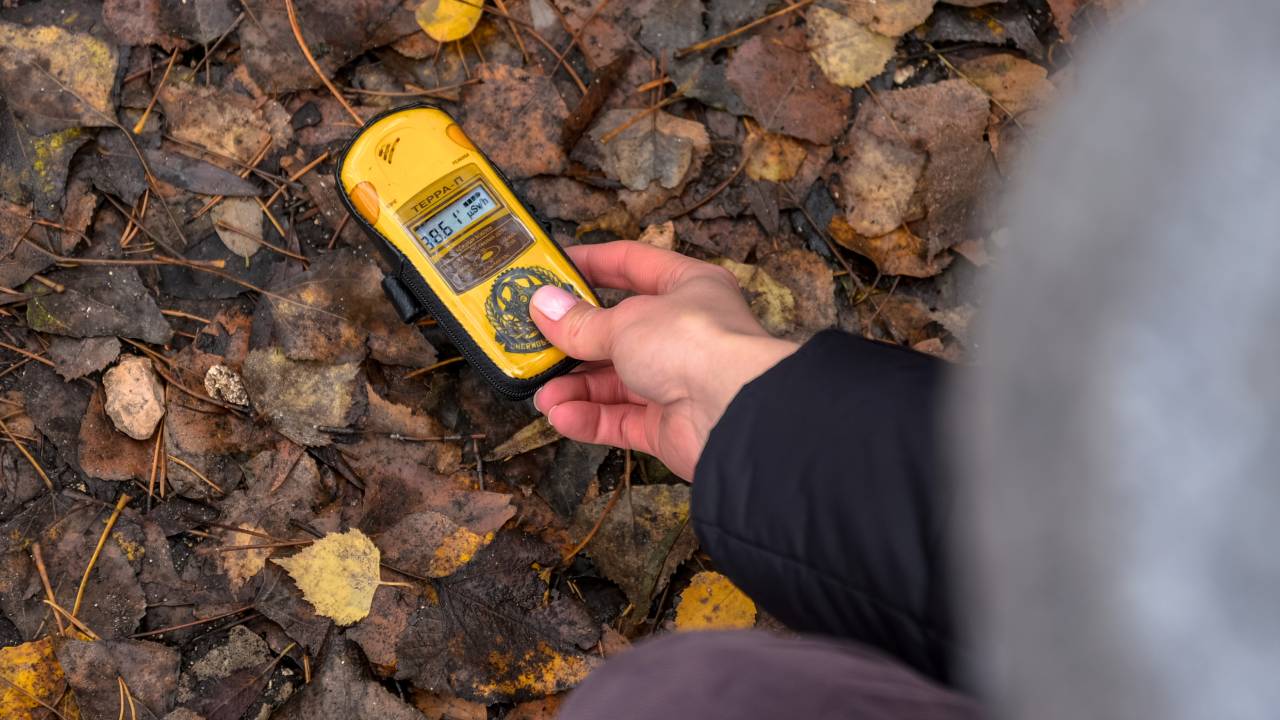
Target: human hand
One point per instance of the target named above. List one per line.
(662, 365)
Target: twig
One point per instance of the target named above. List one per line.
(142, 121)
(263, 546)
(712, 42)
(102, 540)
(607, 137)
(26, 353)
(193, 623)
(342, 224)
(27, 454)
(273, 248)
(38, 557)
(429, 368)
(306, 51)
(186, 315)
(60, 612)
(184, 464)
(577, 79)
(716, 190)
(295, 176)
(524, 52)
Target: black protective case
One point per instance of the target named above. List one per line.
(406, 288)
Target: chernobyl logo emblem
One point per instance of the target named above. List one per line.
(508, 308)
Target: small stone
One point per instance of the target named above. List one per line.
(222, 383)
(135, 398)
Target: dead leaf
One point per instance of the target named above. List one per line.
(901, 319)
(239, 225)
(785, 90)
(217, 120)
(900, 252)
(55, 78)
(93, 670)
(660, 235)
(33, 674)
(97, 304)
(809, 279)
(773, 157)
(35, 166)
(76, 357)
(298, 395)
(337, 574)
(712, 602)
(530, 437)
(848, 52)
(641, 541)
(448, 20)
(109, 454)
(660, 148)
(447, 707)
(494, 631)
(342, 688)
(429, 544)
(336, 31)
(995, 24)
(917, 156)
(507, 92)
(1015, 85)
(771, 302)
(890, 17)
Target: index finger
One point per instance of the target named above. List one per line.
(633, 266)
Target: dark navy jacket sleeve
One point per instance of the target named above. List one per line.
(822, 494)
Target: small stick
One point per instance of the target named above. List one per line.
(306, 51)
(298, 175)
(186, 315)
(712, 42)
(38, 557)
(27, 353)
(54, 286)
(193, 623)
(102, 540)
(272, 218)
(155, 466)
(475, 448)
(342, 224)
(142, 121)
(263, 546)
(184, 464)
(60, 612)
(273, 248)
(415, 90)
(609, 136)
(524, 52)
(429, 368)
(27, 454)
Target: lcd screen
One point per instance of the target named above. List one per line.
(455, 218)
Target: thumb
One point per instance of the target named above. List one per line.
(577, 327)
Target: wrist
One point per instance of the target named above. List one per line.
(735, 360)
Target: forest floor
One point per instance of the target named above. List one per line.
(234, 485)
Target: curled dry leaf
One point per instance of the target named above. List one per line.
(337, 574)
(712, 602)
(899, 252)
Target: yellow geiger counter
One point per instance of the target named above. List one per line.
(461, 244)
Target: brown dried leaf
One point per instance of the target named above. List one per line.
(149, 669)
(530, 437)
(342, 688)
(848, 52)
(506, 93)
(660, 148)
(494, 632)
(891, 17)
(785, 90)
(297, 395)
(900, 252)
(642, 541)
(108, 454)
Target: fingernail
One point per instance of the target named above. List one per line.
(553, 301)
(535, 397)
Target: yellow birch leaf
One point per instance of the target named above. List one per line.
(773, 157)
(446, 20)
(711, 602)
(32, 672)
(773, 303)
(337, 575)
(848, 53)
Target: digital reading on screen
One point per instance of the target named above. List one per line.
(456, 217)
